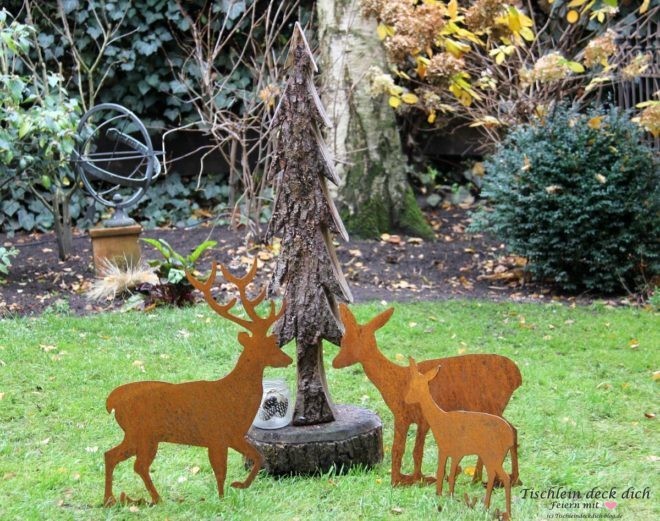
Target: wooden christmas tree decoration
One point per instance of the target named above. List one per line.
(322, 436)
(212, 414)
(306, 219)
(461, 433)
(482, 383)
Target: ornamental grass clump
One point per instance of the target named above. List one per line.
(578, 196)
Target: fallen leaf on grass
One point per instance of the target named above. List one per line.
(656, 376)
(633, 344)
(397, 510)
(2, 395)
(649, 415)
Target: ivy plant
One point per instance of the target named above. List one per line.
(6, 255)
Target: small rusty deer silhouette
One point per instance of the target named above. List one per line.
(461, 433)
(482, 383)
(212, 414)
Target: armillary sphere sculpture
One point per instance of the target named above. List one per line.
(115, 159)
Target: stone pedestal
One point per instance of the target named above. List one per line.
(117, 244)
(354, 438)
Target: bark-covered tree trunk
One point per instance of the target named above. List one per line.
(374, 193)
(305, 218)
(62, 222)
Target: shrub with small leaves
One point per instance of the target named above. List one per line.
(578, 195)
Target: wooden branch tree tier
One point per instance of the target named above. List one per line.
(322, 435)
(306, 219)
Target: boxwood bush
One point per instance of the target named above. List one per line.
(577, 194)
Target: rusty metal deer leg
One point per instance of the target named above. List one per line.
(398, 448)
(491, 483)
(114, 456)
(440, 476)
(218, 459)
(515, 473)
(143, 460)
(507, 490)
(250, 452)
(418, 454)
(452, 474)
(478, 471)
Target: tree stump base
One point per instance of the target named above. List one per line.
(354, 438)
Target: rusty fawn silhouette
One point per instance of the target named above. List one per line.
(482, 383)
(461, 433)
(213, 414)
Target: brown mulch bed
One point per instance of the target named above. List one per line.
(396, 268)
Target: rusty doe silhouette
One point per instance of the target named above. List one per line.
(461, 433)
(483, 382)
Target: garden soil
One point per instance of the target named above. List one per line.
(457, 265)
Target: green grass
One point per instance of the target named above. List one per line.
(587, 383)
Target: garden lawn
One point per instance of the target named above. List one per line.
(581, 413)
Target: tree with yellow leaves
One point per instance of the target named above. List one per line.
(494, 63)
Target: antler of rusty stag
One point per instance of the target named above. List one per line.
(257, 322)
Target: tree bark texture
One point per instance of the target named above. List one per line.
(374, 194)
(62, 222)
(354, 439)
(305, 218)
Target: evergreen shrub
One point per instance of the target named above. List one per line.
(577, 194)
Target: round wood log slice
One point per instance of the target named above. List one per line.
(354, 438)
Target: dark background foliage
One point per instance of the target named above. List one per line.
(130, 52)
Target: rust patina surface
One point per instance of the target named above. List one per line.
(213, 414)
(483, 382)
(462, 433)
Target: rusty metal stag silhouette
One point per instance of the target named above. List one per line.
(213, 414)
